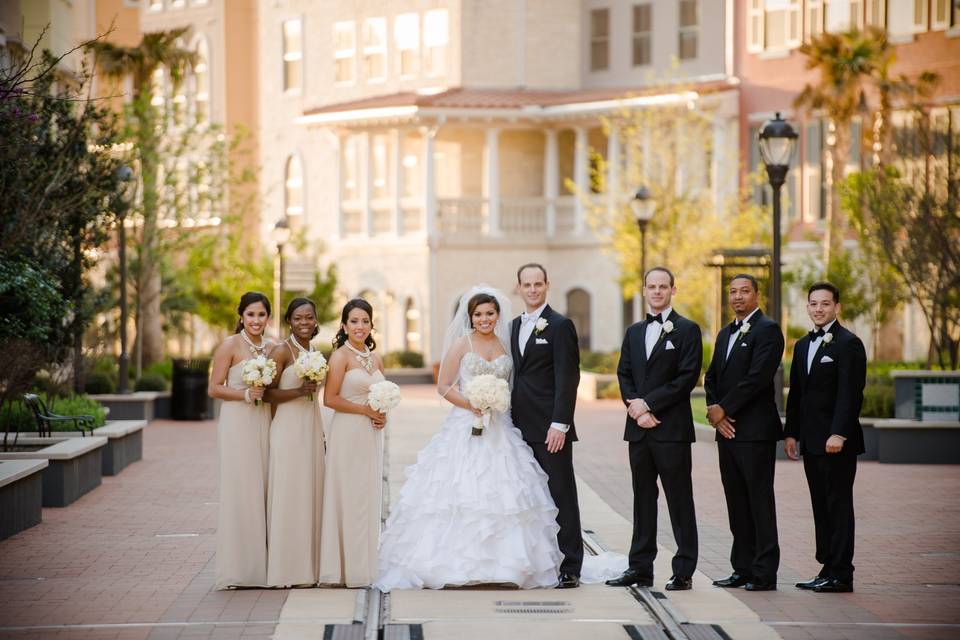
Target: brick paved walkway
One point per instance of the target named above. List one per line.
(908, 538)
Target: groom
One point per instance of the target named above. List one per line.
(546, 359)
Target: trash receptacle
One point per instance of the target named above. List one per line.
(188, 399)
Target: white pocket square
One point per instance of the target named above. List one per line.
(825, 359)
(743, 344)
(669, 346)
(542, 341)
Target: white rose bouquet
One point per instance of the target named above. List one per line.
(312, 366)
(383, 396)
(487, 393)
(259, 372)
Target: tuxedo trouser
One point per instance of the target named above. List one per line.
(672, 462)
(746, 470)
(563, 487)
(830, 478)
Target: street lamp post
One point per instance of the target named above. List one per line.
(777, 140)
(281, 235)
(642, 206)
(125, 174)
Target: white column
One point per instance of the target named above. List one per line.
(429, 188)
(550, 179)
(613, 170)
(580, 177)
(491, 183)
(396, 157)
(366, 182)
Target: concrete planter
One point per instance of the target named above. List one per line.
(870, 440)
(918, 442)
(21, 495)
(74, 465)
(124, 443)
(928, 396)
(139, 405)
(591, 383)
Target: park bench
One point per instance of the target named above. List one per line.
(45, 418)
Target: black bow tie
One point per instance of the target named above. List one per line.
(816, 333)
(654, 318)
(735, 326)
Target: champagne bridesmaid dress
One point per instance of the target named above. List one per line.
(352, 491)
(242, 437)
(296, 489)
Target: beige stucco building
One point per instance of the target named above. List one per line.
(424, 146)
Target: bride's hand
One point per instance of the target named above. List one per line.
(474, 410)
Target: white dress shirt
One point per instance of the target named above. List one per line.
(654, 329)
(736, 336)
(528, 322)
(815, 345)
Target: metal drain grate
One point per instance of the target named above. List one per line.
(532, 610)
(645, 632)
(704, 632)
(531, 607)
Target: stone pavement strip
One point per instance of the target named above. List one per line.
(134, 558)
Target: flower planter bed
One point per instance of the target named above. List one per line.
(21, 495)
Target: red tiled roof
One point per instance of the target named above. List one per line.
(462, 98)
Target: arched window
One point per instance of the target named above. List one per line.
(578, 310)
(201, 81)
(293, 186)
(411, 327)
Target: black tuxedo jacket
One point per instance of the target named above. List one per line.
(743, 384)
(545, 377)
(827, 399)
(664, 381)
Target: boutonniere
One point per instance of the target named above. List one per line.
(540, 326)
(744, 328)
(668, 326)
(827, 338)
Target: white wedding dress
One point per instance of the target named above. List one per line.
(476, 509)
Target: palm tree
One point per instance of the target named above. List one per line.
(848, 64)
(144, 127)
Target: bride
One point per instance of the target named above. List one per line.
(474, 509)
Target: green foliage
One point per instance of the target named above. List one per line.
(878, 401)
(403, 360)
(609, 390)
(164, 369)
(151, 382)
(100, 382)
(879, 372)
(30, 303)
(599, 361)
(16, 416)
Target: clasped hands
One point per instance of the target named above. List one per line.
(639, 411)
(720, 421)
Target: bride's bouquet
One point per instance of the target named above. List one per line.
(312, 366)
(383, 396)
(259, 372)
(487, 393)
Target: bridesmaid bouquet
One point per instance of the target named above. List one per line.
(259, 372)
(312, 366)
(383, 396)
(487, 393)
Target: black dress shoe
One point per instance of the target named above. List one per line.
(811, 584)
(629, 578)
(732, 581)
(761, 586)
(679, 584)
(834, 586)
(568, 581)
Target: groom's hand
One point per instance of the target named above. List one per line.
(555, 440)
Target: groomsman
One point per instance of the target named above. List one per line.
(827, 378)
(659, 366)
(741, 407)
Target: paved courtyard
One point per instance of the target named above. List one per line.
(134, 558)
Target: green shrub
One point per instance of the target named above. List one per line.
(879, 372)
(403, 360)
(100, 382)
(164, 369)
(878, 401)
(609, 390)
(599, 361)
(18, 417)
(151, 382)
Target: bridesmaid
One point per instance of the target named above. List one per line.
(242, 436)
(296, 460)
(352, 489)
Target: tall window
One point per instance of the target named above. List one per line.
(755, 25)
(351, 169)
(406, 35)
(201, 79)
(876, 15)
(920, 15)
(293, 186)
(380, 163)
(599, 39)
(842, 15)
(375, 49)
(642, 33)
(814, 170)
(435, 38)
(781, 24)
(814, 22)
(344, 52)
(578, 310)
(292, 55)
(689, 29)
(941, 14)
(411, 322)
